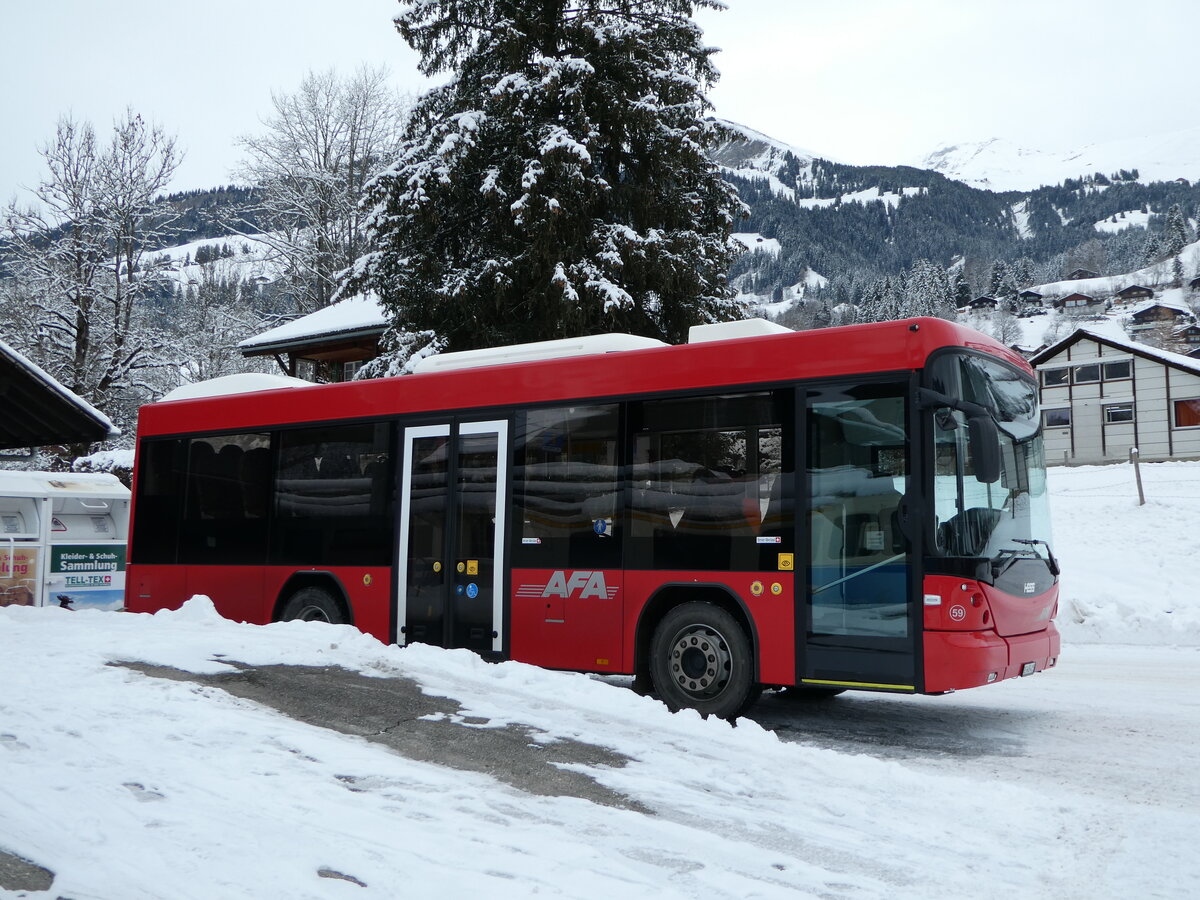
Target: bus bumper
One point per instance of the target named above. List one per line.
(955, 660)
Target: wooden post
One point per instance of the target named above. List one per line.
(1137, 472)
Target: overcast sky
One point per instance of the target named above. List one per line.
(863, 81)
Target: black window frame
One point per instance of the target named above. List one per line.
(1065, 372)
(1047, 413)
(1128, 363)
(1110, 408)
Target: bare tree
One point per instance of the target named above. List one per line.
(323, 144)
(77, 256)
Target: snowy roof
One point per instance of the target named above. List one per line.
(1166, 357)
(38, 411)
(243, 383)
(1165, 304)
(353, 317)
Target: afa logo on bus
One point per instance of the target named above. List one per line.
(579, 584)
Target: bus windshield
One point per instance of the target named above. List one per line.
(1011, 515)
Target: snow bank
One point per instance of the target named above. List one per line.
(1128, 571)
(136, 787)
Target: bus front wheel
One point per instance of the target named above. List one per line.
(701, 659)
(312, 604)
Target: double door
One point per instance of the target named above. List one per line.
(451, 552)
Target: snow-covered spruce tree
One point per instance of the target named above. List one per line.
(557, 186)
(1175, 233)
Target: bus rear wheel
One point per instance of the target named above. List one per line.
(701, 659)
(312, 604)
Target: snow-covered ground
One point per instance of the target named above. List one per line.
(1077, 783)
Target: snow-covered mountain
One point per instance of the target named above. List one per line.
(754, 155)
(1001, 165)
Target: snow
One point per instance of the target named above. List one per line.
(1073, 783)
(863, 197)
(1001, 165)
(351, 314)
(756, 243)
(1132, 218)
(1020, 213)
(252, 260)
(244, 383)
(52, 384)
(1156, 275)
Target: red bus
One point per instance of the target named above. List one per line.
(852, 508)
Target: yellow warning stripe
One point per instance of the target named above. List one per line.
(860, 684)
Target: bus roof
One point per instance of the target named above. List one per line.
(764, 359)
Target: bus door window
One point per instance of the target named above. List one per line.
(709, 479)
(475, 545)
(428, 479)
(858, 473)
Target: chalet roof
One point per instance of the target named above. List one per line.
(1077, 296)
(1135, 289)
(1082, 273)
(1029, 294)
(1149, 304)
(39, 411)
(350, 318)
(1165, 357)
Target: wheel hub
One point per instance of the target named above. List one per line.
(699, 661)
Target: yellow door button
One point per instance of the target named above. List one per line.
(787, 562)
(472, 567)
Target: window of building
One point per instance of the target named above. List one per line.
(1118, 413)
(1187, 413)
(568, 488)
(1057, 418)
(350, 369)
(1116, 371)
(1087, 374)
(1055, 377)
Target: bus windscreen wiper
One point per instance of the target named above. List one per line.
(1003, 560)
(1051, 562)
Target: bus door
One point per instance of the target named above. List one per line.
(859, 617)
(450, 547)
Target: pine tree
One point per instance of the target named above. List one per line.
(558, 185)
(1175, 235)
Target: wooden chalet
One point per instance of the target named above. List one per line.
(1150, 314)
(328, 345)
(982, 302)
(1078, 303)
(1134, 292)
(1080, 274)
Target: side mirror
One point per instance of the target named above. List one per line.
(985, 448)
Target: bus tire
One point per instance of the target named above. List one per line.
(701, 659)
(312, 604)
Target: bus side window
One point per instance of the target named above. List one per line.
(332, 495)
(568, 488)
(710, 482)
